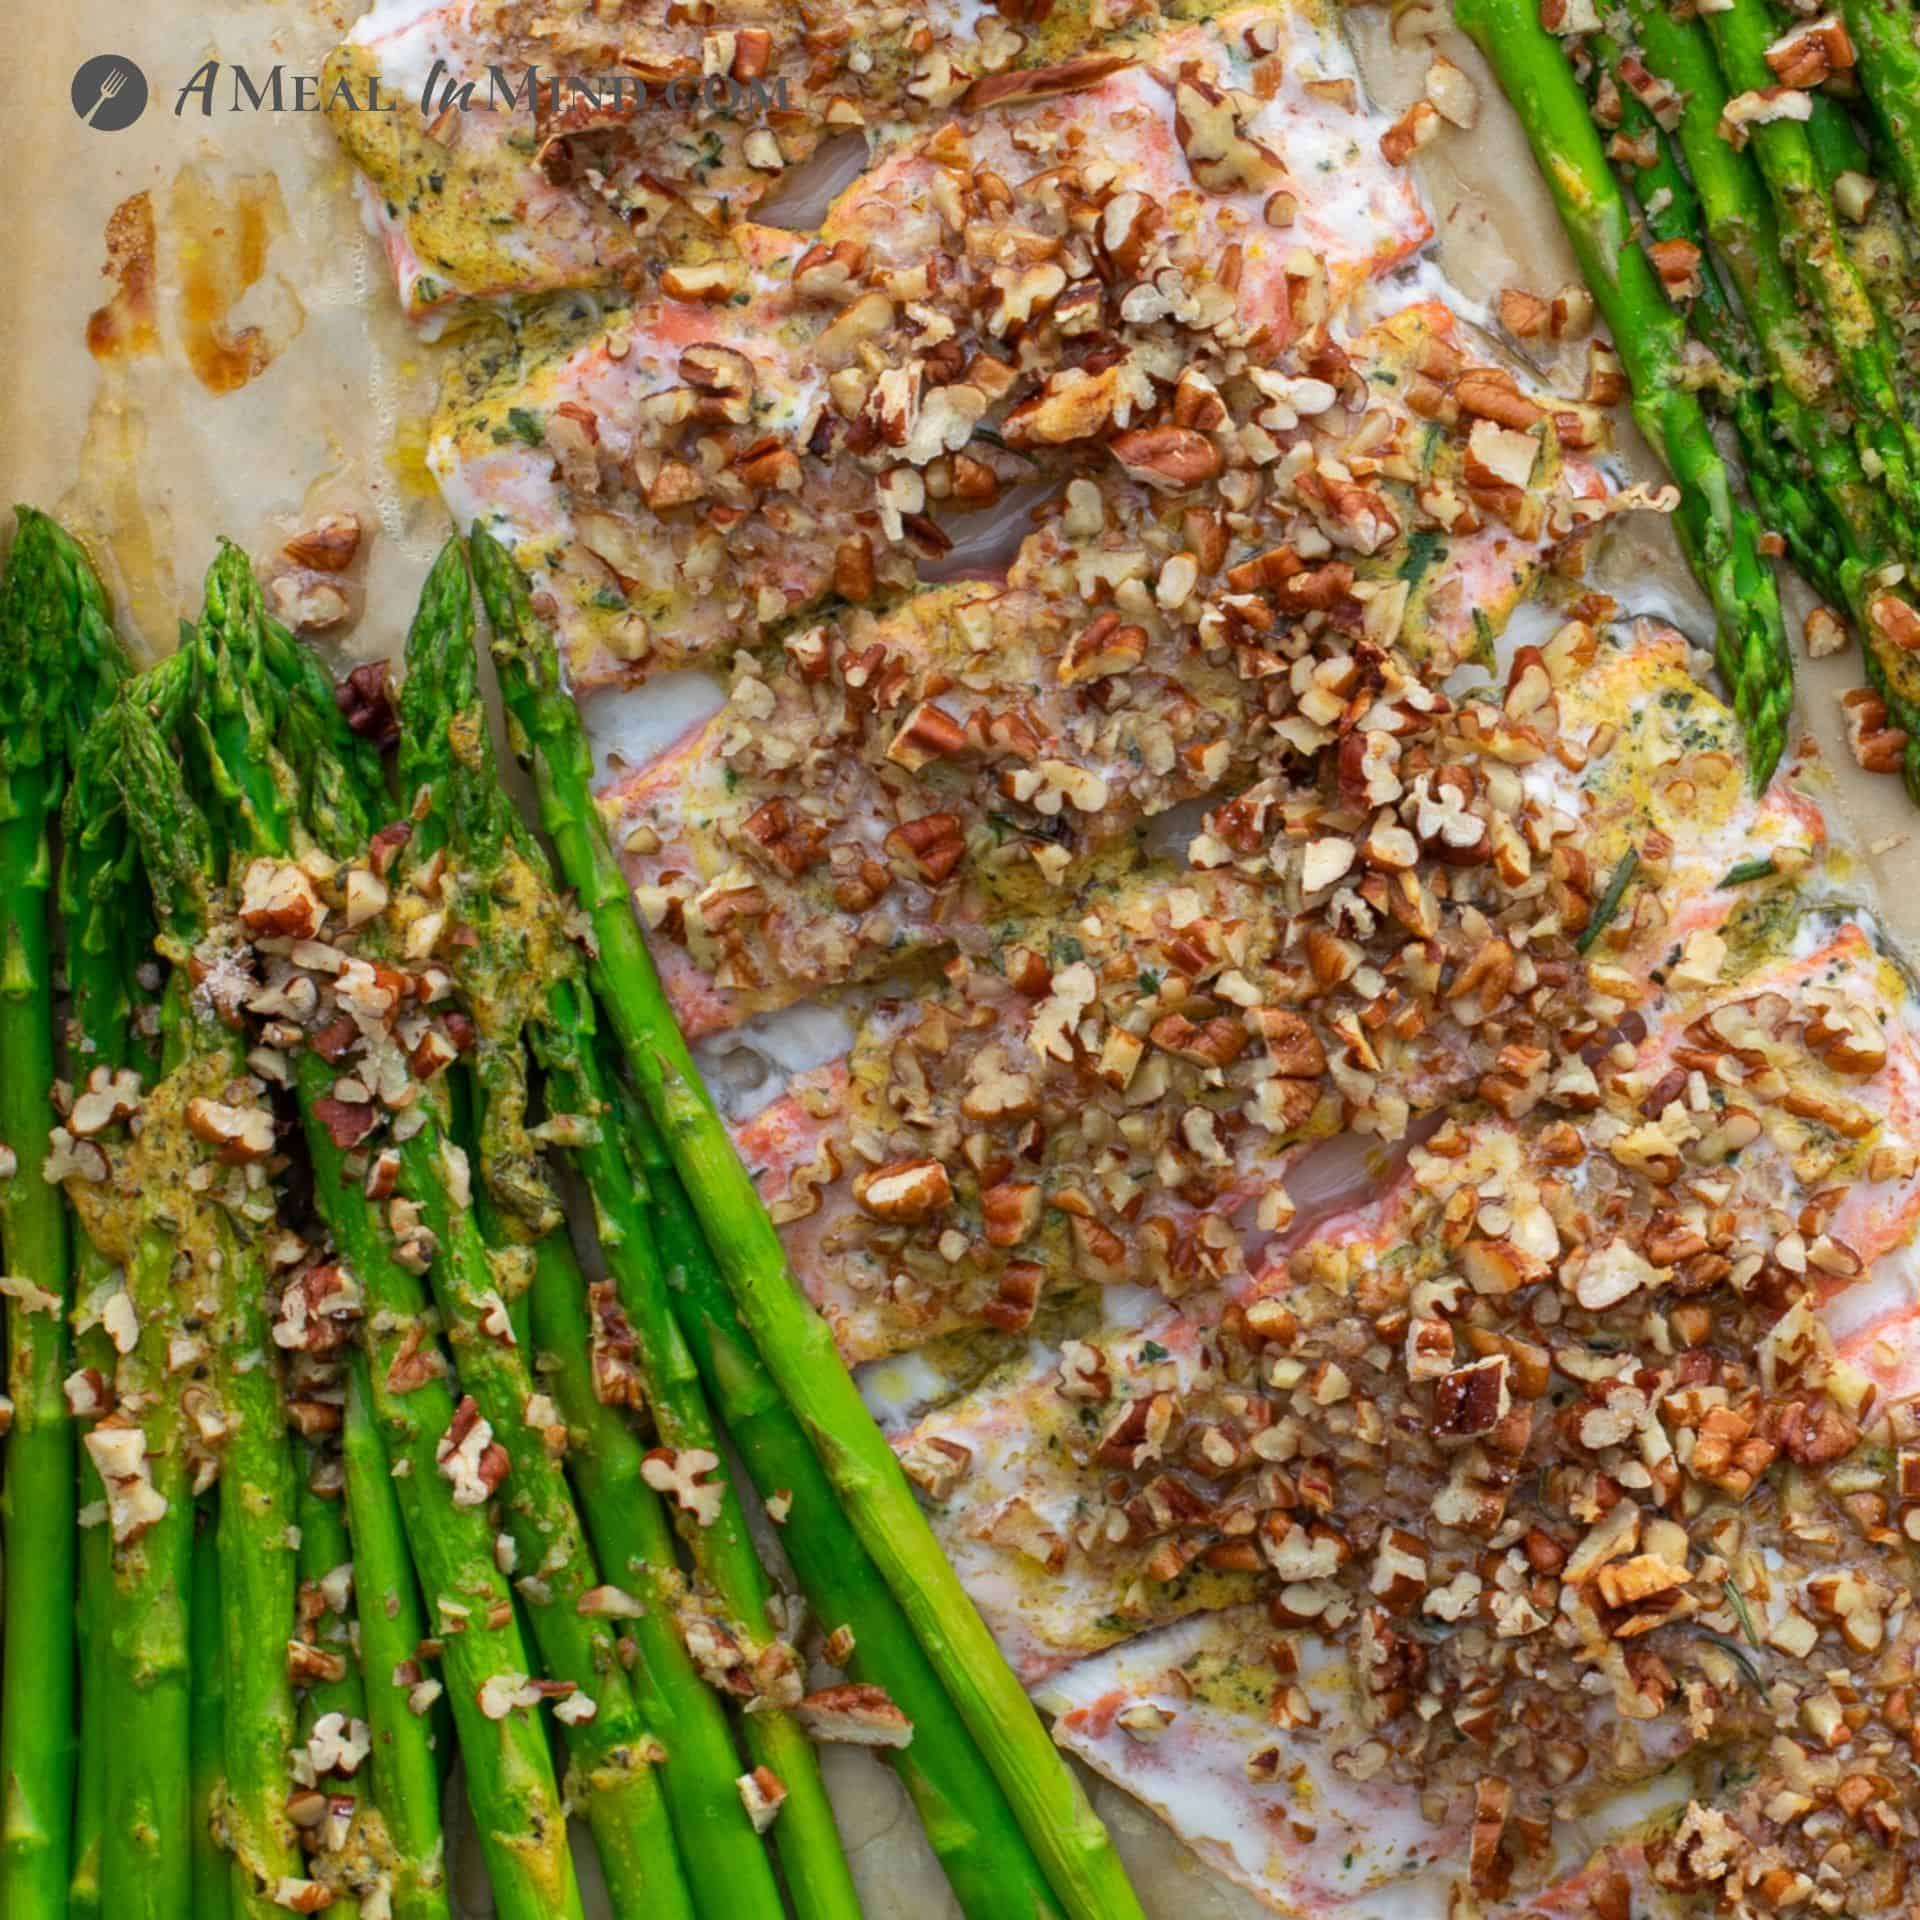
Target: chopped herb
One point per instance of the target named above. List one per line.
(1152, 1351)
(1066, 950)
(1149, 981)
(1424, 547)
(526, 426)
(1609, 903)
(1483, 653)
(1737, 1601)
(1745, 871)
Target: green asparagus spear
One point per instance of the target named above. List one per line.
(334, 1700)
(991, 1868)
(255, 1525)
(795, 1342)
(109, 940)
(447, 777)
(59, 663)
(406, 1783)
(712, 1521)
(1873, 235)
(248, 784)
(258, 1584)
(171, 1247)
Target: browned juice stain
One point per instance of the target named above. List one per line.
(220, 239)
(127, 328)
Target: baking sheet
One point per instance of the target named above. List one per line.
(254, 372)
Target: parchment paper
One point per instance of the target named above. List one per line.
(152, 466)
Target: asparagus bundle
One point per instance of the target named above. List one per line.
(1731, 214)
(1671, 212)
(516, 974)
(1858, 338)
(612, 1749)
(794, 1341)
(58, 664)
(1720, 536)
(249, 729)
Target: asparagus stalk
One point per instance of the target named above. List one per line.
(94, 1625)
(1883, 34)
(992, 1870)
(58, 664)
(1855, 333)
(258, 1585)
(510, 1780)
(507, 962)
(326, 1625)
(613, 1751)
(1670, 210)
(254, 1528)
(108, 932)
(212, 1873)
(406, 1783)
(794, 1341)
(163, 1234)
(1719, 535)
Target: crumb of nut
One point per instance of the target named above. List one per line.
(1524, 315)
(308, 603)
(1453, 94)
(1570, 312)
(329, 545)
(762, 1793)
(1825, 633)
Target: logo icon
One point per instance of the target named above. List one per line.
(109, 92)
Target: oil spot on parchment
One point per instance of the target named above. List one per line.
(127, 327)
(220, 239)
(129, 533)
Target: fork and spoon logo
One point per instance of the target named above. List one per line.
(109, 92)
